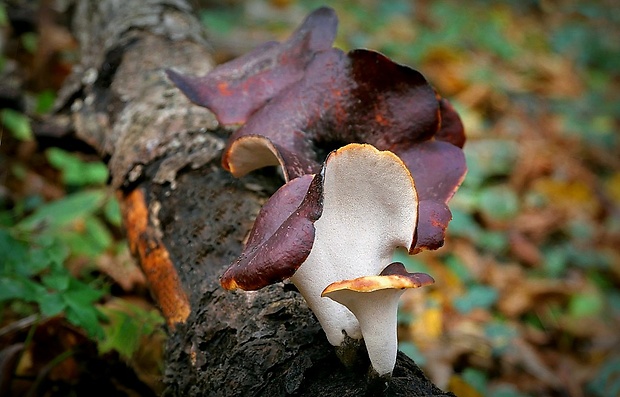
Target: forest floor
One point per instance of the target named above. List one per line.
(527, 294)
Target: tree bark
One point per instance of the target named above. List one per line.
(186, 217)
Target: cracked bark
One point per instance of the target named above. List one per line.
(186, 217)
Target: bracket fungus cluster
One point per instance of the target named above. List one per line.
(370, 155)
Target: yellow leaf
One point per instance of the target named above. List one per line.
(428, 325)
(613, 187)
(458, 386)
(568, 195)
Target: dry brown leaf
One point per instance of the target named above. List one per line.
(121, 268)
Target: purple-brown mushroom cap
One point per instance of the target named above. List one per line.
(281, 238)
(236, 89)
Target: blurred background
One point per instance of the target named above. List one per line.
(527, 298)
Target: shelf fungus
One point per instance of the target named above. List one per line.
(351, 132)
(339, 227)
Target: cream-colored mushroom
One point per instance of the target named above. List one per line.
(370, 208)
(374, 302)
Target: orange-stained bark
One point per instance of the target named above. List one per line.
(154, 258)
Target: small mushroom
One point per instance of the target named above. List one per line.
(374, 302)
(355, 214)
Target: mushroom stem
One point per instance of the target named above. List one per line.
(377, 316)
(336, 320)
(374, 302)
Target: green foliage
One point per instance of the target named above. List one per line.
(501, 336)
(219, 20)
(76, 172)
(4, 19)
(457, 267)
(487, 159)
(59, 214)
(477, 296)
(17, 123)
(586, 304)
(126, 327)
(32, 271)
(504, 391)
(498, 202)
(412, 351)
(607, 381)
(30, 41)
(38, 239)
(476, 379)
(412, 264)
(45, 101)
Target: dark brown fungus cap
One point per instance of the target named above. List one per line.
(364, 97)
(451, 125)
(438, 168)
(360, 97)
(236, 89)
(281, 238)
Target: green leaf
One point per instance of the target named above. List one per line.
(14, 252)
(586, 304)
(19, 287)
(76, 172)
(127, 326)
(555, 260)
(404, 317)
(501, 336)
(98, 233)
(30, 41)
(493, 241)
(17, 123)
(499, 202)
(56, 253)
(488, 158)
(81, 294)
(475, 378)
(220, 21)
(607, 380)
(91, 240)
(457, 267)
(86, 317)
(36, 262)
(45, 101)
(51, 304)
(464, 225)
(478, 296)
(64, 211)
(123, 335)
(80, 308)
(57, 282)
(4, 19)
(112, 212)
(505, 391)
(412, 351)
